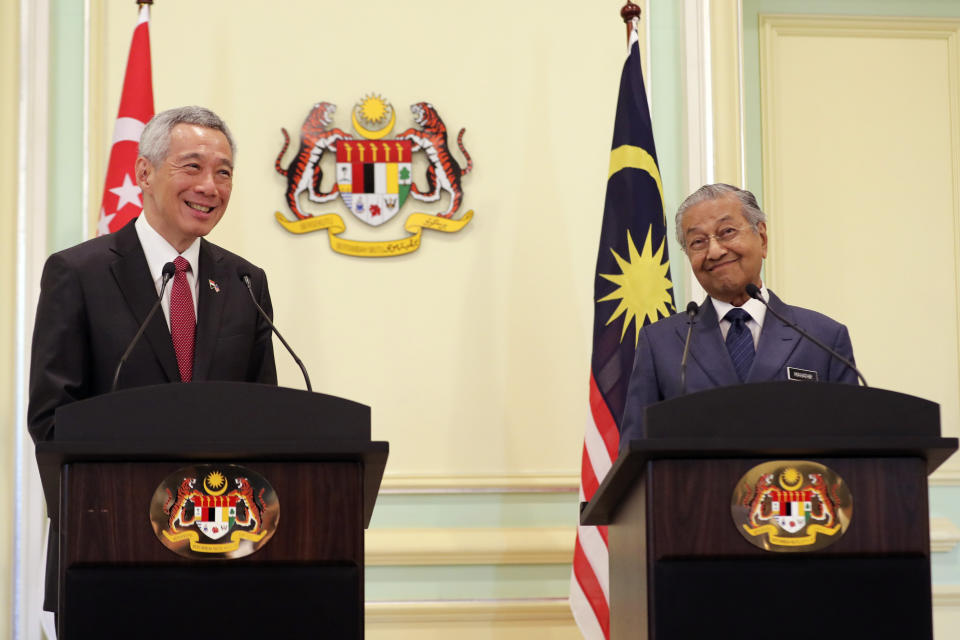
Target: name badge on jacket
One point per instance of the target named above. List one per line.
(802, 375)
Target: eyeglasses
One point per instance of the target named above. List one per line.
(724, 236)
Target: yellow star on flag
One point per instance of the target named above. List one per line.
(642, 286)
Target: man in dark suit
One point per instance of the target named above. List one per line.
(94, 296)
(724, 234)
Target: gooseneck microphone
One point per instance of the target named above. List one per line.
(245, 277)
(168, 271)
(754, 292)
(692, 309)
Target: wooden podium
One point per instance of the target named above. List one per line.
(679, 568)
(110, 453)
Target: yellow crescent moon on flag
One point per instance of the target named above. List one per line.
(373, 135)
(630, 157)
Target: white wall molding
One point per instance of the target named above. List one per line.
(946, 595)
(944, 535)
(469, 546)
(698, 106)
(726, 58)
(452, 546)
(493, 483)
(469, 611)
(944, 478)
(31, 252)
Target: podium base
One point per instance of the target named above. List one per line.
(794, 597)
(225, 601)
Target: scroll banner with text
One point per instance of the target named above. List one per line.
(334, 225)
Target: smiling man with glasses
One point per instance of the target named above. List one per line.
(723, 231)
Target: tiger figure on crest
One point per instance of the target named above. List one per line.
(444, 172)
(303, 172)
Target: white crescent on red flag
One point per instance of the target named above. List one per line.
(121, 200)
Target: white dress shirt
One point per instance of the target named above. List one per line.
(158, 253)
(755, 308)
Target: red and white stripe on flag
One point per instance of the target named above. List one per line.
(121, 200)
(633, 201)
(590, 579)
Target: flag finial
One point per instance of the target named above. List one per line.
(630, 13)
(140, 3)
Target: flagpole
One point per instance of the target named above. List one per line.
(629, 12)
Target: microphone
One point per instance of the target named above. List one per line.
(168, 271)
(754, 292)
(692, 309)
(245, 277)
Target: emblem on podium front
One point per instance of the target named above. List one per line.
(791, 506)
(214, 511)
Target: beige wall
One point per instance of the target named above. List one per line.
(861, 122)
(473, 351)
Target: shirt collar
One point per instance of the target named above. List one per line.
(159, 252)
(756, 309)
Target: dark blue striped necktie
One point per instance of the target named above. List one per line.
(740, 342)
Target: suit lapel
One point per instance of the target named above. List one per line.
(210, 305)
(132, 275)
(777, 342)
(707, 348)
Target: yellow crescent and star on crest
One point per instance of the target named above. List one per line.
(373, 117)
(791, 479)
(215, 483)
(643, 288)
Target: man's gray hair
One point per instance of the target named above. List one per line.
(748, 205)
(155, 139)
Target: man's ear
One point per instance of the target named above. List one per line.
(144, 173)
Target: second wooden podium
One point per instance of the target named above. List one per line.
(680, 566)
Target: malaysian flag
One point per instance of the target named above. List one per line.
(121, 196)
(632, 288)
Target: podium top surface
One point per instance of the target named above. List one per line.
(211, 411)
(797, 408)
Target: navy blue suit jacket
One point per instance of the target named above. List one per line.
(656, 367)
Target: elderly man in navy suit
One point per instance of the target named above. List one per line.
(94, 296)
(724, 234)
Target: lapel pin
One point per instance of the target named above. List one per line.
(214, 286)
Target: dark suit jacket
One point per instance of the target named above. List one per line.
(93, 298)
(656, 367)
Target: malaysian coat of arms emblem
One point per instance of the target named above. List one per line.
(374, 175)
(791, 505)
(207, 511)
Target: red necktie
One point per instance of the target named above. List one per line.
(183, 322)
